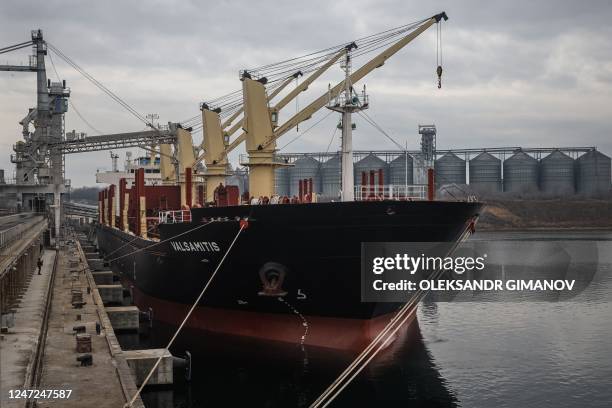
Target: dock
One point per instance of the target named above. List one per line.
(56, 331)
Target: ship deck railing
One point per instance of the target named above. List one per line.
(409, 192)
(174, 216)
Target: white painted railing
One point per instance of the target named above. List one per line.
(391, 192)
(174, 216)
(16, 232)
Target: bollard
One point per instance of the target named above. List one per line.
(85, 360)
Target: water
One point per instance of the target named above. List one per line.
(480, 353)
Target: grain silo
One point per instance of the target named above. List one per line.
(557, 174)
(281, 181)
(400, 170)
(485, 173)
(304, 168)
(331, 178)
(593, 173)
(449, 169)
(521, 173)
(368, 164)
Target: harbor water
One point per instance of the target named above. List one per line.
(479, 353)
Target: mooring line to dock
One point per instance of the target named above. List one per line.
(129, 242)
(398, 320)
(147, 247)
(191, 310)
(160, 242)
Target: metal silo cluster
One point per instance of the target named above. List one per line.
(485, 173)
(449, 169)
(557, 174)
(304, 168)
(593, 173)
(331, 178)
(281, 181)
(368, 164)
(401, 170)
(521, 173)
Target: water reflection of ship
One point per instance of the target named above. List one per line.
(536, 258)
(232, 371)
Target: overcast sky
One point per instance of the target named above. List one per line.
(516, 73)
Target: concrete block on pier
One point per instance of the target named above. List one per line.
(92, 255)
(111, 293)
(103, 277)
(123, 317)
(96, 264)
(142, 361)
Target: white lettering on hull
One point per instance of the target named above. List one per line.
(199, 246)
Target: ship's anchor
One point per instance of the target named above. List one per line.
(272, 275)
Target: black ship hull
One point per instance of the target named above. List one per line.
(293, 275)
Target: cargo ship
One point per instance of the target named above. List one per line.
(294, 266)
(286, 269)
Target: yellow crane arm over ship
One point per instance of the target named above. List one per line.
(260, 132)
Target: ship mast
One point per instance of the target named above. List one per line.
(346, 103)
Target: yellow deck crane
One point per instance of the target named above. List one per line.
(260, 131)
(215, 142)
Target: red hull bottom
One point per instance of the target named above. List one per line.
(318, 331)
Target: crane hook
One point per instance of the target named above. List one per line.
(439, 53)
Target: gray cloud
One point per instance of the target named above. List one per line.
(516, 73)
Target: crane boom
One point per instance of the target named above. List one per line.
(292, 95)
(218, 153)
(304, 85)
(114, 141)
(364, 70)
(278, 90)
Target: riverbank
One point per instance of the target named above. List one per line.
(546, 214)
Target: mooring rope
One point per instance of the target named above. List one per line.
(405, 312)
(148, 377)
(157, 243)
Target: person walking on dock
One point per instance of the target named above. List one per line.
(39, 264)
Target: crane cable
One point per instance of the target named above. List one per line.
(306, 131)
(229, 104)
(71, 103)
(280, 71)
(99, 85)
(439, 52)
(191, 310)
(376, 126)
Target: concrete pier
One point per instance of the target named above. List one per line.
(111, 294)
(96, 264)
(35, 355)
(142, 361)
(123, 317)
(103, 277)
(19, 343)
